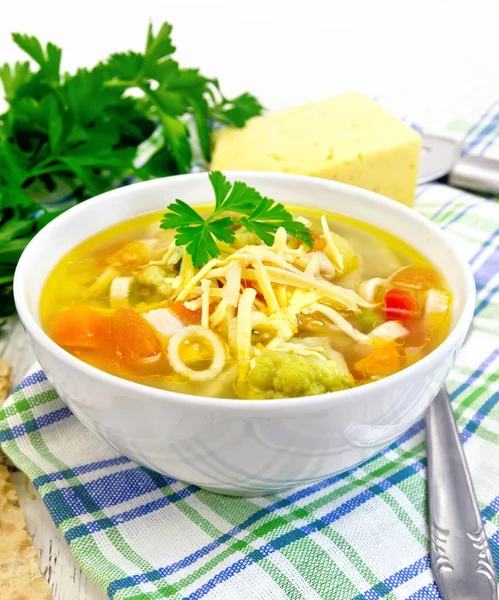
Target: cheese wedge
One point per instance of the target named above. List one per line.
(347, 138)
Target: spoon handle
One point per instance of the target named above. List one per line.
(477, 173)
(460, 555)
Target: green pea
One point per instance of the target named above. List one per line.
(367, 320)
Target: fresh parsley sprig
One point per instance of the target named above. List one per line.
(261, 216)
(80, 134)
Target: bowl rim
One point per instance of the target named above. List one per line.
(298, 404)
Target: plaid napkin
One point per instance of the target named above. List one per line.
(360, 535)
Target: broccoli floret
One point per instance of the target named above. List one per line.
(282, 375)
(155, 277)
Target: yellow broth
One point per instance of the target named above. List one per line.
(379, 255)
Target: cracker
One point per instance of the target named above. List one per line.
(20, 576)
(5, 371)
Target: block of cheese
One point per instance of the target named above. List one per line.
(347, 138)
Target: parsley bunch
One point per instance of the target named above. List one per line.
(260, 215)
(80, 134)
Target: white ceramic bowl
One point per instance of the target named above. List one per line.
(234, 446)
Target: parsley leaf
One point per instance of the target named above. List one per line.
(180, 214)
(80, 133)
(50, 60)
(196, 233)
(221, 186)
(124, 65)
(160, 46)
(268, 216)
(199, 241)
(263, 217)
(238, 110)
(14, 77)
(236, 197)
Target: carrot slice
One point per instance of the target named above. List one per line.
(417, 278)
(131, 255)
(81, 327)
(319, 242)
(189, 317)
(247, 283)
(382, 361)
(134, 337)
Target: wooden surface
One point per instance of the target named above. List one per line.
(65, 578)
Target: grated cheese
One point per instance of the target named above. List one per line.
(265, 286)
(312, 269)
(260, 304)
(326, 267)
(325, 346)
(218, 272)
(280, 240)
(305, 221)
(232, 286)
(171, 257)
(205, 303)
(187, 272)
(189, 283)
(175, 256)
(249, 253)
(347, 298)
(196, 292)
(301, 350)
(258, 319)
(219, 313)
(244, 331)
(338, 320)
(281, 295)
(331, 248)
(285, 325)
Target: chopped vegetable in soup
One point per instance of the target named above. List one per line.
(326, 305)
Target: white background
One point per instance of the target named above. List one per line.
(433, 59)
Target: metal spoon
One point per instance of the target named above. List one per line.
(442, 157)
(460, 555)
